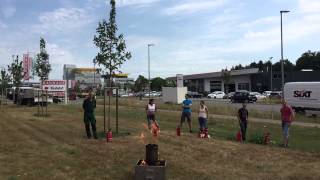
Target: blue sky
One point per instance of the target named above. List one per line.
(190, 36)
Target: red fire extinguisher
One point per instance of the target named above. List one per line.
(206, 133)
(109, 136)
(178, 131)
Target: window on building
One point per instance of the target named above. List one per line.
(215, 86)
(243, 86)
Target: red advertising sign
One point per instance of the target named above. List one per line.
(26, 66)
(54, 85)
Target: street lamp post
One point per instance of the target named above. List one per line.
(94, 74)
(282, 65)
(2, 87)
(271, 77)
(149, 45)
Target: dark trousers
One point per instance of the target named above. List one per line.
(243, 127)
(90, 120)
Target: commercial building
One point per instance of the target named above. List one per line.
(84, 78)
(245, 79)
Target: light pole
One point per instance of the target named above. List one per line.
(271, 77)
(149, 45)
(282, 66)
(2, 86)
(94, 74)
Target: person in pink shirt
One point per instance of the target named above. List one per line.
(287, 116)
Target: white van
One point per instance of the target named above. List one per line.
(303, 96)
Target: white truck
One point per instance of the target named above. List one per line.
(303, 96)
(31, 96)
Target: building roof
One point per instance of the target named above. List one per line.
(218, 74)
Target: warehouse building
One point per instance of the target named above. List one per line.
(245, 79)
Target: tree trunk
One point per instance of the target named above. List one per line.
(109, 98)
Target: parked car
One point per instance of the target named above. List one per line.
(194, 94)
(152, 94)
(216, 95)
(266, 93)
(258, 95)
(275, 94)
(243, 97)
(229, 95)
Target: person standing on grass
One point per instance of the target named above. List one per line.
(89, 104)
(287, 116)
(186, 112)
(151, 112)
(203, 115)
(243, 115)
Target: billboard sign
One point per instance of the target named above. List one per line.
(27, 66)
(179, 80)
(54, 85)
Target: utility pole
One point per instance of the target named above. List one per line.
(282, 66)
(149, 45)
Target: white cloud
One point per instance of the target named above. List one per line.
(3, 25)
(122, 3)
(7, 10)
(309, 6)
(59, 55)
(194, 6)
(270, 20)
(62, 19)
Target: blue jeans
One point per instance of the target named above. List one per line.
(285, 129)
(203, 122)
(243, 127)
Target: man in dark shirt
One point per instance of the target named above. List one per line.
(89, 104)
(243, 120)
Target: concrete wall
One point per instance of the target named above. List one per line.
(173, 94)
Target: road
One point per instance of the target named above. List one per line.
(256, 106)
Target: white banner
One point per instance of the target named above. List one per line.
(54, 85)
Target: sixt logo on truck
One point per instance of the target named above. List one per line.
(302, 94)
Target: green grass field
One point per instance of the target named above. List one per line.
(56, 148)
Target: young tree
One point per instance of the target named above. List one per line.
(42, 66)
(226, 75)
(112, 48)
(16, 71)
(5, 79)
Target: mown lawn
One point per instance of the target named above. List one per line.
(219, 109)
(56, 148)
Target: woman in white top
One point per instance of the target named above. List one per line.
(151, 112)
(203, 116)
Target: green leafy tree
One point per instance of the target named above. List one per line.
(157, 84)
(226, 76)
(140, 84)
(171, 83)
(16, 71)
(288, 66)
(42, 66)
(5, 79)
(309, 60)
(112, 48)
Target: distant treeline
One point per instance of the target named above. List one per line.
(308, 60)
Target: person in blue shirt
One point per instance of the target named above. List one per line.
(186, 112)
